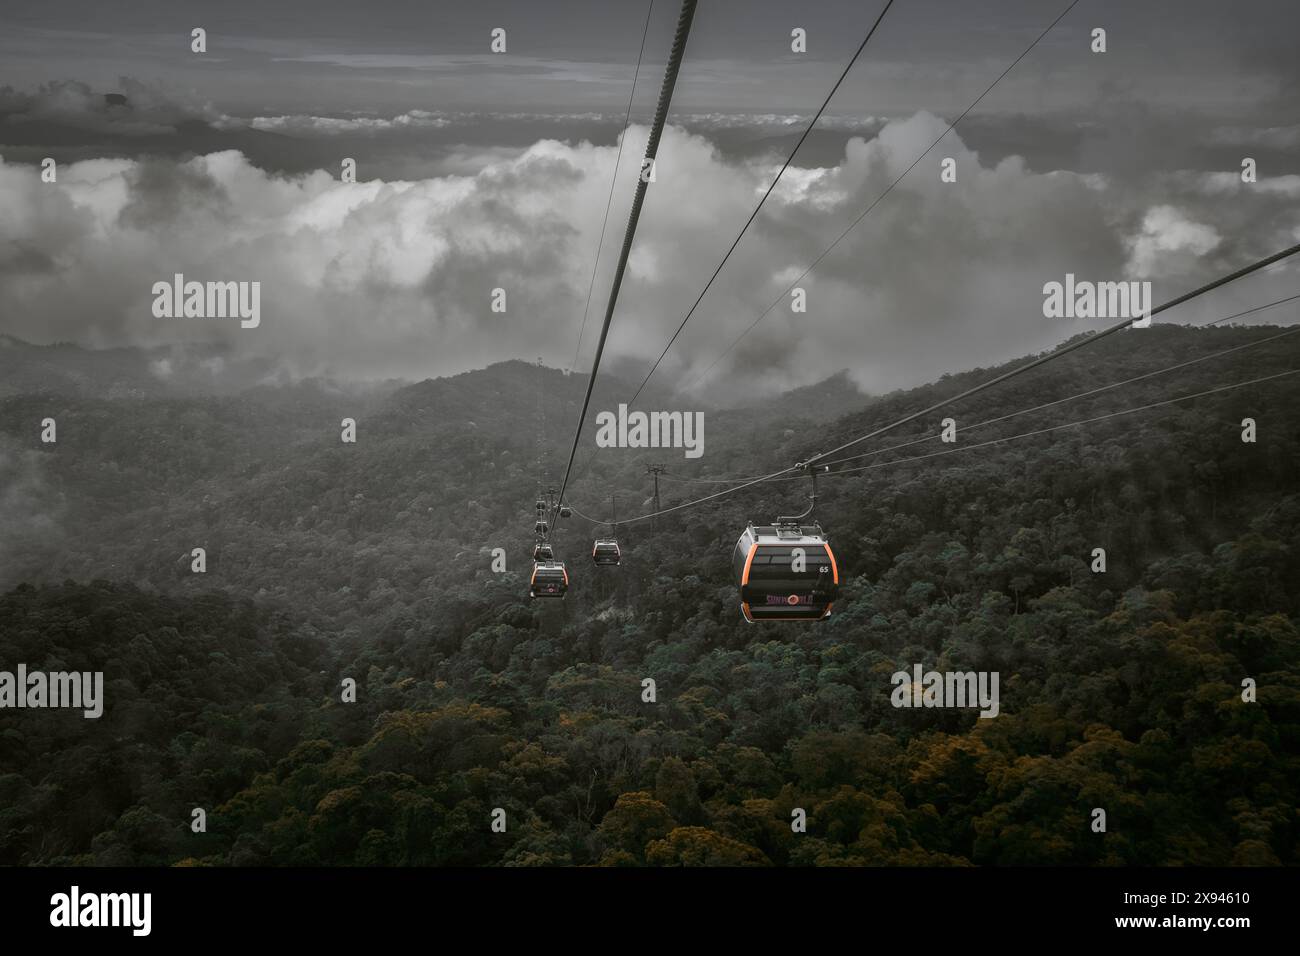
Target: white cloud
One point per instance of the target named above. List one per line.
(378, 279)
(1169, 242)
(336, 125)
(1217, 184)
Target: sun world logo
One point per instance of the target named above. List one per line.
(179, 299)
(1082, 299)
(624, 429)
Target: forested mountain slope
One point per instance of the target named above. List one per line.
(1119, 690)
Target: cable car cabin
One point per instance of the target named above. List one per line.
(541, 529)
(566, 511)
(543, 552)
(770, 588)
(606, 552)
(549, 580)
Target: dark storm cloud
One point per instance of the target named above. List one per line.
(132, 109)
(163, 193)
(20, 258)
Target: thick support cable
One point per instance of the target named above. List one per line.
(652, 148)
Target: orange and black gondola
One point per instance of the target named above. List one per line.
(550, 580)
(786, 572)
(606, 552)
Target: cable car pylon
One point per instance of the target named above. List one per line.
(655, 471)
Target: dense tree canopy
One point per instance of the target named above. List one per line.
(372, 562)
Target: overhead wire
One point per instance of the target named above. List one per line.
(1086, 394)
(1064, 350)
(613, 181)
(817, 459)
(1075, 424)
(669, 79)
(786, 165)
(990, 442)
(1258, 308)
(888, 189)
(753, 215)
(1059, 401)
(680, 36)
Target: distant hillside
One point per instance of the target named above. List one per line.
(507, 400)
(123, 372)
(455, 459)
(828, 399)
(374, 561)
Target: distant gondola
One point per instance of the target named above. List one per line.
(606, 552)
(541, 529)
(770, 589)
(543, 552)
(549, 580)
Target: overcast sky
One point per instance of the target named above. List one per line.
(479, 171)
